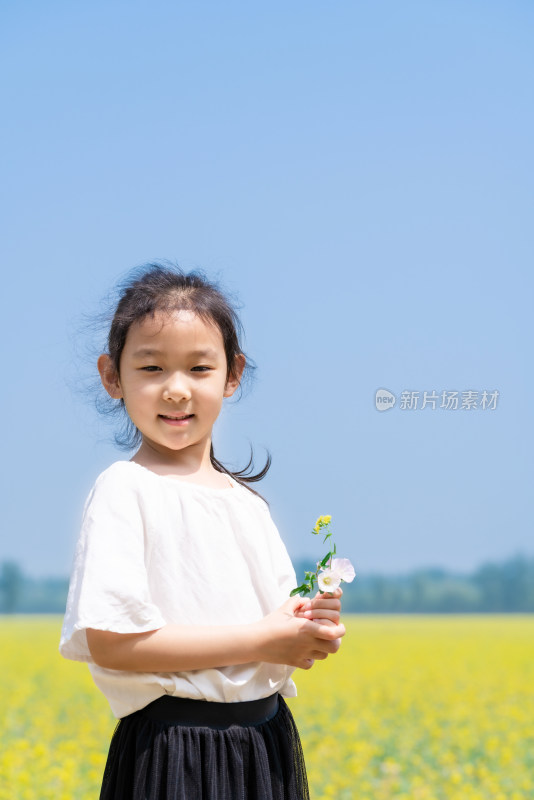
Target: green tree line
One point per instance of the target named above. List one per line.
(505, 587)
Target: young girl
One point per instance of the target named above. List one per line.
(179, 596)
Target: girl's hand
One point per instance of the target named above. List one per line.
(287, 636)
(322, 607)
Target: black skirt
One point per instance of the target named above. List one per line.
(181, 749)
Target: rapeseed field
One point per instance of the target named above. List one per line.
(412, 708)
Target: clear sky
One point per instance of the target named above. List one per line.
(360, 175)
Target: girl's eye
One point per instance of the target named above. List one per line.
(200, 369)
(150, 368)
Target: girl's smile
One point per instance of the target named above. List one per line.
(183, 420)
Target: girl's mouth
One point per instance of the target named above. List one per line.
(178, 419)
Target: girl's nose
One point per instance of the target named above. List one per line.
(176, 388)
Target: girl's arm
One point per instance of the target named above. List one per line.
(282, 637)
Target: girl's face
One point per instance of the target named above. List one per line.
(173, 381)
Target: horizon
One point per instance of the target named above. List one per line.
(301, 561)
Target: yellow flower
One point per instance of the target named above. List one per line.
(322, 522)
(384, 736)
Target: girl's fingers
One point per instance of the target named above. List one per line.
(324, 608)
(317, 656)
(326, 649)
(326, 602)
(328, 631)
(323, 613)
(316, 608)
(296, 605)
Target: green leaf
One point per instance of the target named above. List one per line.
(304, 588)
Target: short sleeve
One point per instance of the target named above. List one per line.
(109, 587)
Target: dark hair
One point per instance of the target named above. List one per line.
(157, 288)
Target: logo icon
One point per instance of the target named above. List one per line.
(384, 400)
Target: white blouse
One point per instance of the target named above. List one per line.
(156, 550)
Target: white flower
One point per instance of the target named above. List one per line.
(339, 570)
(343, 568)
(328, 580)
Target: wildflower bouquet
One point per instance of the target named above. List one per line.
(330, 571)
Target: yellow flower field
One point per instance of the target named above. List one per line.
(412, 708)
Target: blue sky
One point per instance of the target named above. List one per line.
(360, 176)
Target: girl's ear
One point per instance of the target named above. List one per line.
(109, 377)
(235, 378)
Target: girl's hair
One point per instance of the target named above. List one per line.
(158, 288)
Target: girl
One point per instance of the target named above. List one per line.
(179, 596)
